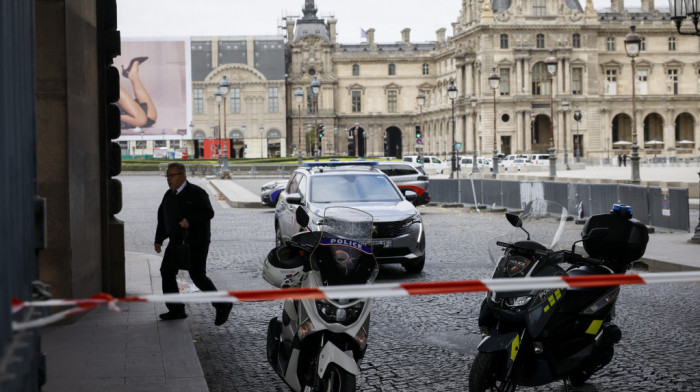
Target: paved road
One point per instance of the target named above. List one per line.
(418, 343)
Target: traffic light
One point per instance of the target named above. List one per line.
(417, 131)
(321, 129)
(294, 147)
(245, 146)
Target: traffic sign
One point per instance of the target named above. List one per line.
(419, 141)
(458, 146)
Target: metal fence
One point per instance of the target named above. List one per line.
(235, 171)
(654, 206)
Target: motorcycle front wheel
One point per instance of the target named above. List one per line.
(486, 374)
(337, 379)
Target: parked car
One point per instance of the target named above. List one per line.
(429, 162)
(399, 236)
(508, 160)
(270, 191)
(408, 176)
(539, 159)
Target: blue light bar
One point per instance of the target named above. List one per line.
(343, 163)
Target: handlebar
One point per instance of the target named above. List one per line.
(557, 257)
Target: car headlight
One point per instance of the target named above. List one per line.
(336, 315)
(416, 218)
(268, 187)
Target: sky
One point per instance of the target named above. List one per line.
(183, 18)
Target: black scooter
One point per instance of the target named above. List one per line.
(536, 337)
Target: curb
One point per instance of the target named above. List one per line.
(237, 204)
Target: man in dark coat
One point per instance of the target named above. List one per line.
(185, 209)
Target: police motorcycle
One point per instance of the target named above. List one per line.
(317, 345)
(535, 337)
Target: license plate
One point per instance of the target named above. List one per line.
(382, 243)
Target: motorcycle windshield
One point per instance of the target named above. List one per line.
(344, 254)
(545, 222)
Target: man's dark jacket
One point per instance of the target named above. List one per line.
(192, 203)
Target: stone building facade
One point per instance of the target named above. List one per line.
(367, 100)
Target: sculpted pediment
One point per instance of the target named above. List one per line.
(235, 72)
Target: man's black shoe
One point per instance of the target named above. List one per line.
(222, 312)
(173, 316)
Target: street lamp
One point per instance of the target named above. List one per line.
(565, 108)
(299, 96)
(245, 146)
(261, 140)
(335, 140)
(494, 81)
(315, 88)
(632, 41)
(473, 100)
(223, 90)
(533, 117)
(680, 9)
(577, 152)
(356, 138)
(420, 99)
(452, 93)
(551, 63)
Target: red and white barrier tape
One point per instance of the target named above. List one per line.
(357, 291)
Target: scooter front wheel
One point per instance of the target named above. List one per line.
(486, 374)
(337, 379)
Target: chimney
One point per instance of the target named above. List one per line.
(406, 36)
(617, 5)
(331, 29)
(290, 31)
(440, 34)
(648, 5)
(370, 38)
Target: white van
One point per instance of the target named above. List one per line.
(508, 160)
(539, 159)
(429, 162)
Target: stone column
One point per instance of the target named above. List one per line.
(470, 80)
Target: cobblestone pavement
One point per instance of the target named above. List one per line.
(419, 343)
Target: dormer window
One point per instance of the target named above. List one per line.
(539, 8)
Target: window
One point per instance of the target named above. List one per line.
(643, 44)
(610, 44)
(392, 69)
(642, 87)
(392, 103)
(159, 143)
(355, 70)
(174, 144)
(540, 79)
(140, 144)
(273, 100)
(577, 81)
(672, 81)
(504, 86)
(356, 101)
(576, 40)
(198, 106)
(672, 43)
(426, 69)
(539, 8)
(611, 82)
(124, 146)
(540, 41)
(504, 41)
(235, 100)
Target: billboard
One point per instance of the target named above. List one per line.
(154, 92)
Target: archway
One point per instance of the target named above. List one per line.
(392, 142)
(356, 142)
(274, 143)
(654, 131)
(621, 131)
(235, 143)
(685, 138)
(541, 133)
(198, 137)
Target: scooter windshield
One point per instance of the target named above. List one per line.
(543, 221)
(344, 254)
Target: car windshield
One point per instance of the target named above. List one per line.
(345, 188)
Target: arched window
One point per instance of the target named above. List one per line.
(273, 134)
(576, 40)
(540, 41)
(540, 79)
(392, 69)
(199, 135)
(355, 70)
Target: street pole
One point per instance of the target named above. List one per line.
(696, 237)
(452, 92)
(494, 82)
(632, 42)
(551, 63)
(299, 95)
(315, 88)
(565, 109)
(577, 117)
(261, 141)
(475, 166)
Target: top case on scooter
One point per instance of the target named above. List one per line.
(624, 243)
(284, 267)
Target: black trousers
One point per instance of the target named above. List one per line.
(198, 274)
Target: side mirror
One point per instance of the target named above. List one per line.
(514, 219)
(302, 217)
(293, 198)
(410, 195)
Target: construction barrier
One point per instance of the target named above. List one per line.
(353, 291)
